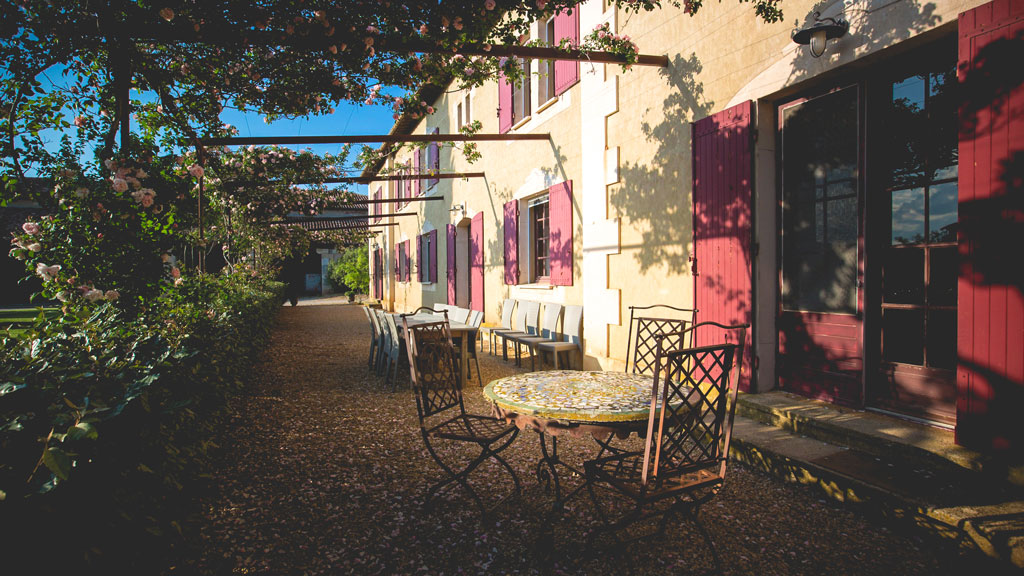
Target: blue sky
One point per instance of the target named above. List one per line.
(346, 119)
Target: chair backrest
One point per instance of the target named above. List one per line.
(432, 368)
(380, 323)
(393, 333)
(506, 313)
(520, 316)
(460, 315)
(373, 322)
(421, 310)
(476, 318)
(572, 324)
(693, 405)
(641, 343)
(532, 317)
(552, 313)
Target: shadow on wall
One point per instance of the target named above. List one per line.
(653, 197)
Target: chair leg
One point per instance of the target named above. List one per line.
(479, 380)
(533, 362)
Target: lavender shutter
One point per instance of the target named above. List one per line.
(419, 258)
(432, 238)
(567, 72)
(476, 267)
(398, 262)
(504, 104)
(450, 264)
(434, 160)
(417, 185)
(408, 262)
(560, 233)
(512, 242)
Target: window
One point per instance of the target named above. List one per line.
(546, 68)
(466, 109)
(521, 94)
(458, 114)
(540, 263)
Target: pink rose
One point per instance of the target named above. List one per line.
(47, 273)
(167, 14)
(423, 29)
(120, 184)
(79, 121)
(541, 4)
(196, 170)
(35, 247)
(430, 109)
(175, 273)
(489, 4)
(30, 228)
(111, 295)
(93, 295)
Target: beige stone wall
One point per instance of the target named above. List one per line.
(720, 57)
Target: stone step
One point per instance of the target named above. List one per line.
(948, 501)
(877, 434)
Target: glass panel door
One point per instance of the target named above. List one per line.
(917, 217)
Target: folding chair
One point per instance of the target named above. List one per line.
(442, 414)
(682, 465)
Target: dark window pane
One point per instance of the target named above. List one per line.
(942, 271)
(908, 216)
(820, 211)
(942, 212)
(903, 336)
(903, 276)
(942, 339)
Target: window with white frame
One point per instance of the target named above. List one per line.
(521, 94)
(539, 235)
(467, 110)
(546, 68)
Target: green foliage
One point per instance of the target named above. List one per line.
(352, 270)
(109, 417)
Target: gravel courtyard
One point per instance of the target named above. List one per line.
(323, 472)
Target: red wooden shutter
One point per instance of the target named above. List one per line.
(434, 159)
(567, 72)
(433, 256)
(504, 104)
(476, 267)
(450, 264)
(722, 186)
(511, 229)
(560, 233)
(990, 307)
(419, 258)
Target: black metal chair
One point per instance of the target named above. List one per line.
(644, 330)
(442, 414)
(682, 465)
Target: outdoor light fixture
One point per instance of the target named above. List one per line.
(458, 208)
(823, 30)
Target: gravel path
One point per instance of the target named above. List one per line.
(323, 473)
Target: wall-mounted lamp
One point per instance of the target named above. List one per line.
(823, 30)
(458, 208)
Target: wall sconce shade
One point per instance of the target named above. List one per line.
(818, 35)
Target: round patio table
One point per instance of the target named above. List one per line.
(555, 402)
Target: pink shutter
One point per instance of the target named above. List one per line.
(432, 237)
(567, 72)
(512, 242)
(398, 262)
(419, 258)
(560, 230)
(504, 104)
(722, 186)
(476, 268)
(450, 264)
(990, 306)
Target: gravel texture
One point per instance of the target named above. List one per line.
(323, 472)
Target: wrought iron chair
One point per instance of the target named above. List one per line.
(424, 310)
(641, 343)
(442, 414)
(682, 465)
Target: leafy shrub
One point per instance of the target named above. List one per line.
(108, 420)
(352, 270)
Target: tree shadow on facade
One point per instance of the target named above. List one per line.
(653, 196)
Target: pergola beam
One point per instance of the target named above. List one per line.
(338, 218)
(369, 139)
(214, 35)
(365, 179)
(391, 201)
